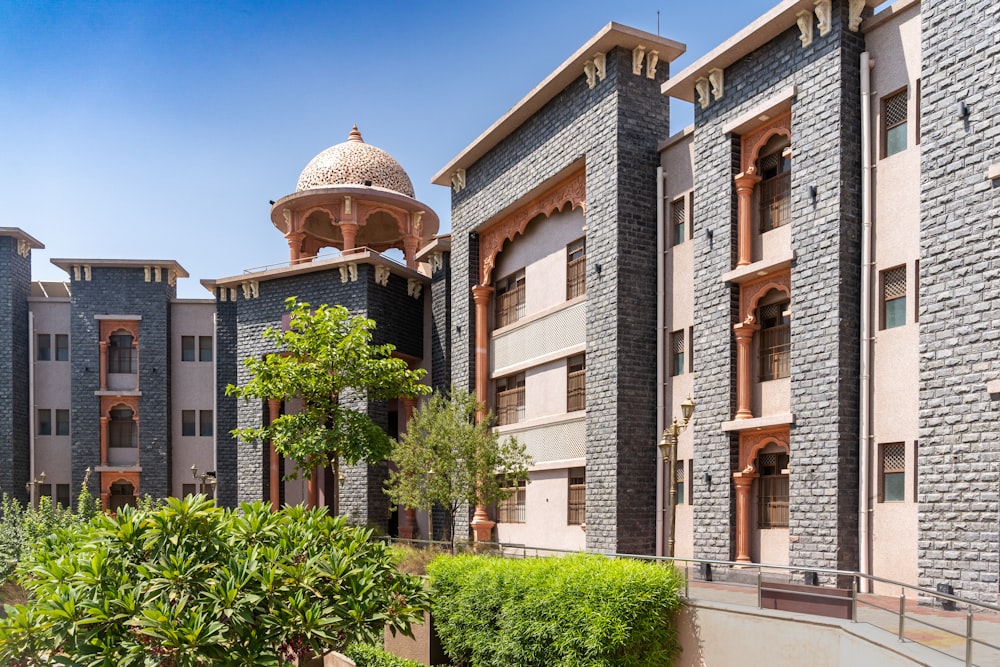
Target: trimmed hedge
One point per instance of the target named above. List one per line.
(369, 655)
(579, 610)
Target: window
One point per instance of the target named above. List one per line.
(188, 422)
(511, 509)
(690, 349)
(893, 472)
(187, 348)
(187, 489)
(62, 347)
(44, 347)
(204, 348)
(775, 340)
(121, 428)
(772, 490)
(894, 297)
(576, 269)
(677, 352)
(775, 168)
(62, 494)
(44, 490)
(510, 299)
(510, 399)
(205, 423)
(894, 123)
(576, 383)
(679, 481)
(62, 422)
(121, 354)
(577, 497)
(45, 422)
(678, 221)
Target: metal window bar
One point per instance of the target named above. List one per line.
(511, 509)
(775, 342)
(773, 499)
(576, 270)
(577, 500)
(510, 306)
(576, 390)
(894, 108)
(510, 405)
(775, 201)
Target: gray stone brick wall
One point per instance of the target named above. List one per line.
(824, 357)
(441, 326)
(615, 129)
(122, 291)
(243, 466)
(15, 288)
(959, 447)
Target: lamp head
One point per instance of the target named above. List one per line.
(194, 471)
(687, 408)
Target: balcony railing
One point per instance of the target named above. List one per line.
(775, 346)
(510, 406)
(510, 306)
(775, 202)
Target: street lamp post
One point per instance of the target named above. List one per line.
(668, 449)
(207, 480)
(31, 487)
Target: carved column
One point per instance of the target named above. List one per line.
(410, 244)
(103, 370)
(744, 484)
(744, 189)
(273, 412)
(135, 358)
(294, 246)
(104, 441)
(744, 369)
(408, 529)
(350, 232)
(481, 524)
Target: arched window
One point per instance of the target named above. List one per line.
(121, 353)
(775, 335)
(775, 168)
(121, 428)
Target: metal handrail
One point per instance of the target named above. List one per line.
(332, 254)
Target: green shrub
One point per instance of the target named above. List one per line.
(371, 655)
(22, 526)
(186, 583)
(580, 610)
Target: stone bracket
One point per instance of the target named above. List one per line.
(85, 268)
(382, 275)
(857, 7)
(413, 288)
(596, 69)
(349, 272)
(251, 289)
(804, 20)
(824, 15)
(23, 248)
(458, 180)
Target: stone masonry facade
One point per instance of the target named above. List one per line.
(825, 289)
(15, 287)
(612, 131)
(959, 447)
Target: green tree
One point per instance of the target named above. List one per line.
(324, 357)
(187, 583)
(446, 458)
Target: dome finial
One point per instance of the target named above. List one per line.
(355, 135)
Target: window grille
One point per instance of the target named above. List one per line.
(576, 383)
(772, 490)
(510, 399)
(775, 341)
(677, 352)
(576, 269)
(121, 428)
(678, 221)
(894, 297)
(775, 190)
(679, 481)
(577, 497)
(894, 123)
(895, 109)
(511, 509)
(510, 299)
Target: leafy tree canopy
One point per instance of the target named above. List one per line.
(446, 458)
(325, 358)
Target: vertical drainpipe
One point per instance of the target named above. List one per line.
(864, 411)
(31, 402)
(660, 320)
(215, 396)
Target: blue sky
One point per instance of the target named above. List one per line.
(161, 130)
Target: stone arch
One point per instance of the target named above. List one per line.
(753, 293)
(752, 143)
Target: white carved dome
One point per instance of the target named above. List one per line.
(353, 163)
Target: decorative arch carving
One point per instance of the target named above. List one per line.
(110, 327)
(752, 143)
(109, 403)
(572, 191)
(752, 442)
(752, 292)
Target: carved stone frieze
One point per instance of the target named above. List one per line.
(804, 20)
(571, 191)
(753, 142)
(752, 292)
(349, 272)
(413, 287)
(824, 17)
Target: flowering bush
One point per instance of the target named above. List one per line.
(188, 583)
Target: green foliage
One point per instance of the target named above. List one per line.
(22, 526)
(186, 583)
(372, 655)
(447, 459)
(579, 610)
(326, 355)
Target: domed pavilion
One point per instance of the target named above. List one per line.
(353, 196)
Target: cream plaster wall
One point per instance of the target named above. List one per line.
(192, 387)
(894, 45)
(52, 390)
(546, 511)
(541, 252)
